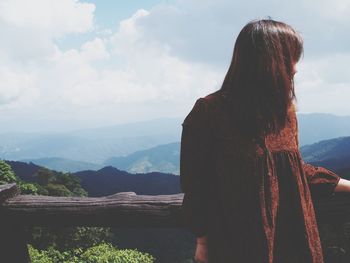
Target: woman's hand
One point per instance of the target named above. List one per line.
(342, 186)
(201, 254)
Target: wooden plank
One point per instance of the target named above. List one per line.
(128, 209)
(122, 209)
(8, 191)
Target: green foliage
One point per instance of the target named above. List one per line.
(48, 182)
(84, 237)
(41, 189)
(106, 253)
(7, 175)
(58, 184)
(58, 190)
(27, 188)
(66, 238)
(102, 253)
(68, 180)
(72, 183)
(44, 176)
(50, 255)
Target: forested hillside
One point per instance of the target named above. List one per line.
(333, 154)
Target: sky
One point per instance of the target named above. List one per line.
(69, 64)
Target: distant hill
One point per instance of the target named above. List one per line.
(110, 180)
(91, 145)
(25, 171)
(333, 154)
(164, 158)
(315, 127)
(63, 165)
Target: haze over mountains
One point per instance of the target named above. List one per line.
(316, 127)
(142, 147)
(164, 158)
(333, 154)
(93, 146)
(63, 165)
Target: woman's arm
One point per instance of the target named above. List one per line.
(342, 186)
(195, 168)
(201, 253)
(321, 181)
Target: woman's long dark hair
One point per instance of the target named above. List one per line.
(259, 84)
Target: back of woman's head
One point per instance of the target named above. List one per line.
(259, 84)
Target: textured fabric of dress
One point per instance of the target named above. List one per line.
(252, 198)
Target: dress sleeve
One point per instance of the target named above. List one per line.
(321, 181)
(195, 167)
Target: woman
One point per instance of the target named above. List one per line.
(247, 191)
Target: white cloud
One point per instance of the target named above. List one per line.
(13, 86)
(119, 73)
(150, 73)
(338, 10)
(29, 28)
(323, 84)
(158, 61)
(50, 16)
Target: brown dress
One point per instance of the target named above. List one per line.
(251, 198)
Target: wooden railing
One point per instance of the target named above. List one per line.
(121, 209)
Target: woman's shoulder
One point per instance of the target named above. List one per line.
(209, 102)
(212, 98)
(292, 111)
(293, 107)
(202, 108)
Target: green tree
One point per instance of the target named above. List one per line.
(72, 183)
(41, 189)
(44, 176)
(66, 238)
(58, 190)
(27, 188)
(102, 253)
(7, 175)
(109, 254)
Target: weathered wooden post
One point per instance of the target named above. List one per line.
(13, 241)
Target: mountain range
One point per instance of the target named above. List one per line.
(315, 127)
(110, 180)
(138, 147)
(93, 146)
(63, 165)
(163, 158)
(333, 154)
